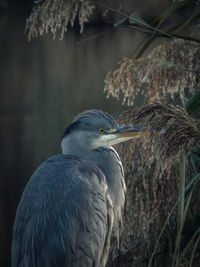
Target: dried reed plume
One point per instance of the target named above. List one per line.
(170, 69)
(56, 15)
(151, 171)
(164, 147)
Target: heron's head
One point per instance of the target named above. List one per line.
(95, 128)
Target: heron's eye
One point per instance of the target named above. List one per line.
(101, 130)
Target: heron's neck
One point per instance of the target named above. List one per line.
(73, 146)
(109, 162)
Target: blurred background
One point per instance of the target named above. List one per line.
(44, 83)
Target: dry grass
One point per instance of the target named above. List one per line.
(152, 173)
(170, 69)
(159, 153)
(56, 15)
(164, 147)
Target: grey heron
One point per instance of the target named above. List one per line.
(74, 201)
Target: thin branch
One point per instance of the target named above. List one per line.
(131, 18)
(94, 36)
(143, 28)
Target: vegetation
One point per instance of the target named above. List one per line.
(177, 145)
(168, 76)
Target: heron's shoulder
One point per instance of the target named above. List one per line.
(61, 161)
(73, 167)
(69, 161)
(62, 158)
(63, 174)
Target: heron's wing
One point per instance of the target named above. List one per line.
(64, 217)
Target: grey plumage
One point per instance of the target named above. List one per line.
(74, 200)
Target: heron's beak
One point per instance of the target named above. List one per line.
(125, 133)
(132, 132)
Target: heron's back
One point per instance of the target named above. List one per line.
(62, 218)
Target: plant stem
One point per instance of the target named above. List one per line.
(181, 208)
(187, 188)
(181, 185)
(193, 103)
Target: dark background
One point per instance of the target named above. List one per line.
(44, 83)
